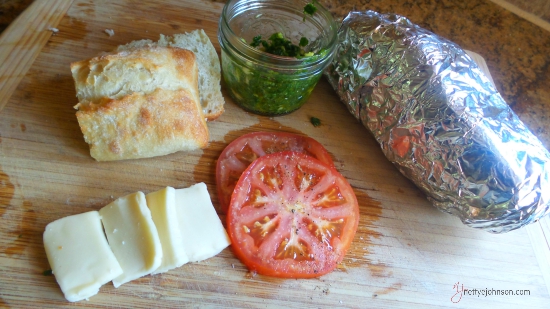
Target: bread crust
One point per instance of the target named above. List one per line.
(143, 125)
(115, 75)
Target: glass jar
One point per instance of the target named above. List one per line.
(265, 83)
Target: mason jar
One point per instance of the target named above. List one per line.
(265, 83)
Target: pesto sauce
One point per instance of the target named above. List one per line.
(268, 92)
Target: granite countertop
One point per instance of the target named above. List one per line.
(517, 51)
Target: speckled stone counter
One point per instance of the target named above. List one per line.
(517, 52)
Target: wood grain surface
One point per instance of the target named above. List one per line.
(406, 253)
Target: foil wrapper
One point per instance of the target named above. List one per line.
(441, 121)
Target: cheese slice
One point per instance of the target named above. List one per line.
(203, 233)
(162, 205)
(132, 236)
(79, 255)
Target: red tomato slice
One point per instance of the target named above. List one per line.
(238, 155)
(292, 216)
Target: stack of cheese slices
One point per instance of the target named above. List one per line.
(141, 235)
(147, 99)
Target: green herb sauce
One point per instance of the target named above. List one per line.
(273, 92)
(268, 92)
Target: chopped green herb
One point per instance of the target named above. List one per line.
(310, 9)
(256, 41)
(48, 272)
(277, 44)
(315, 121)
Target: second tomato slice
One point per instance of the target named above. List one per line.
(238, 155)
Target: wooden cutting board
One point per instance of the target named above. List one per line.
(406, 253)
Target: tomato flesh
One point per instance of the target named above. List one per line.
(292, 216)
(238, 155)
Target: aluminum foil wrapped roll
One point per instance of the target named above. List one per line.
(440, 120)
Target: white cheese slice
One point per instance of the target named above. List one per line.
(203, 233)
(132, 236)
(79, 255)
(162, 205)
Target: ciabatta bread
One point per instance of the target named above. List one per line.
(139, 70)
(140, 103)
(209, 66)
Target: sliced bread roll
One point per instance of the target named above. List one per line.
(209, 66)
(140, 103)
(143, 69)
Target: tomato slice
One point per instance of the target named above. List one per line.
(238, 155)
(292, 216)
